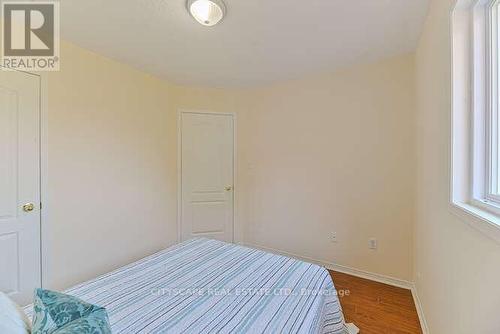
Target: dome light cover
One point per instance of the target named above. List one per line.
(207, 12)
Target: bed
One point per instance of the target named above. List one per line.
(209, 286)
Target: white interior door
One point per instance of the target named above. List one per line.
(207, 148)
(20, 269)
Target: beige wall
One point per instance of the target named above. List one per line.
(331, 153)
(112, 170)
(113, 163)
(324, 154)
(335, 153)
(457, 268)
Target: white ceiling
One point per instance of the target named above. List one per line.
(260, 41)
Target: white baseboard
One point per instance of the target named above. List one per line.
(340, 268)
(370, 276)
(358, 273)
(420, 310)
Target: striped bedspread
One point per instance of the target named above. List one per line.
(208, 286)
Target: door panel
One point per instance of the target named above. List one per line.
(8, 152)
(206, 217)
(19, 185)
(9, 258)
(207, 143)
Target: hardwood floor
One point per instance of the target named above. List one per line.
(376, 308)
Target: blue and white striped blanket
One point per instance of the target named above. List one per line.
(208, 286)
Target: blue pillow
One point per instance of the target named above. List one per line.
(58, 313)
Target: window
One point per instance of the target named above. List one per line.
(486, 165)
(475, 167)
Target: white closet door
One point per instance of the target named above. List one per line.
(20, 269)
(207, 142)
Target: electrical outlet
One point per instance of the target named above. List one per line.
(373, 243)
(333, 237)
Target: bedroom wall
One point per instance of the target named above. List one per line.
(335, 153)
(113, 159)
(112, 167)
(456, 266)
(113, 163)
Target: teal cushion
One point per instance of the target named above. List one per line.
(58, 313)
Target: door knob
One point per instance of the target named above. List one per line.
(28, 207)
(228, 188)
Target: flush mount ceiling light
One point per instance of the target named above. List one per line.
(207, 12)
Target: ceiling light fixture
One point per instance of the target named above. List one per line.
(207, 12)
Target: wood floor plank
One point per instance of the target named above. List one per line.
(376, 308)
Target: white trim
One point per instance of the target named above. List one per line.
(491, 149)
(179, 176)
(397, 282)
(469, 171)
(236, 228)
(43, 120)
(420, 310)
(478, 219)
(44, 180)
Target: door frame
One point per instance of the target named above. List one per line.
(180, 112)
(43, 140)
(44, 180)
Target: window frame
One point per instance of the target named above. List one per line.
(492, 96)
(475, 196)
(485, 176)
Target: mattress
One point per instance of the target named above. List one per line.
(209, 286)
